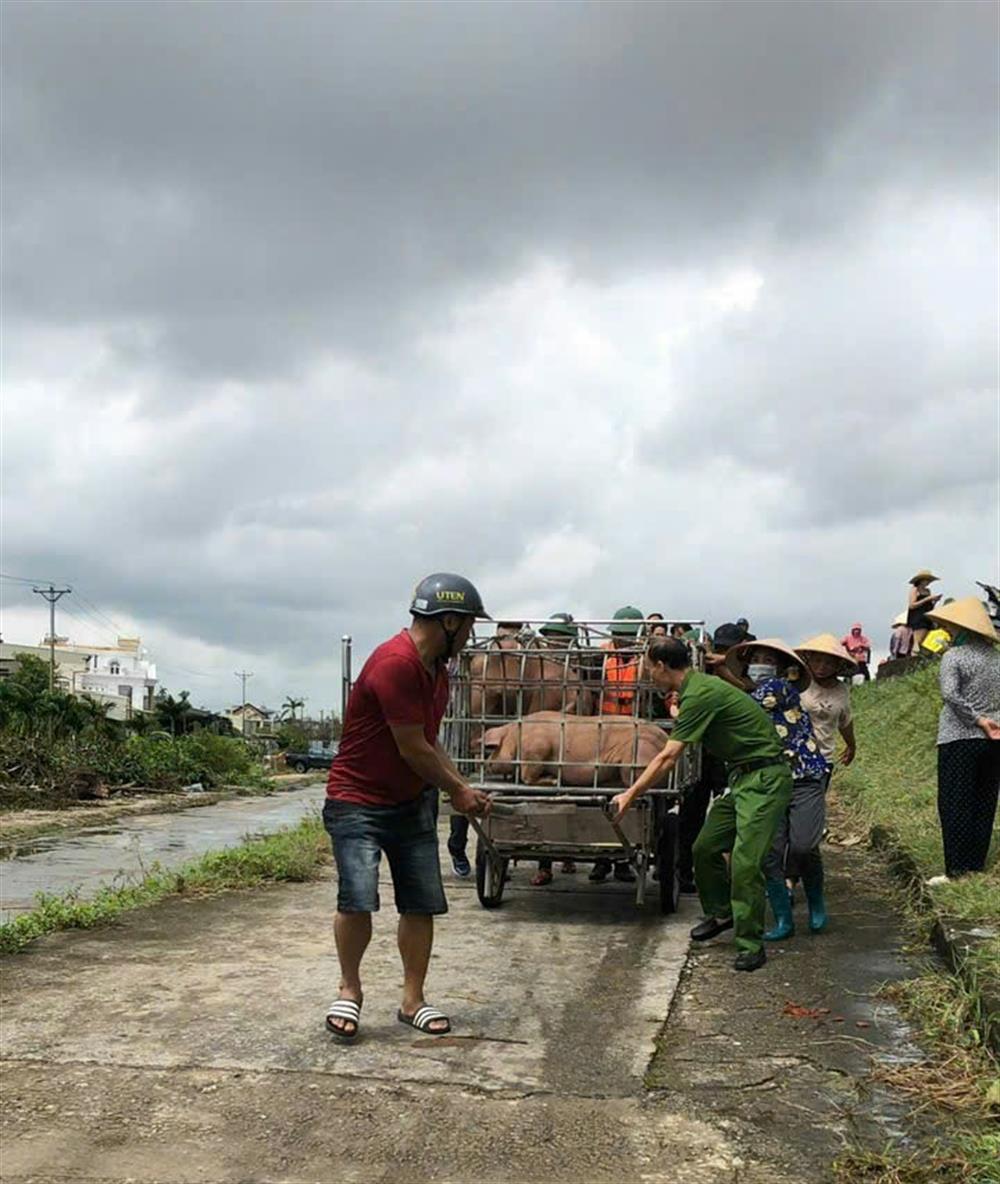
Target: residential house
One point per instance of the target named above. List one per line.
(257, 719)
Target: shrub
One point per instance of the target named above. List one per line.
(35, 771)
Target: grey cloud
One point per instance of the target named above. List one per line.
(252, 184)
(265, 220)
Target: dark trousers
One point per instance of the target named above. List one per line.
(458, 834)
(795, 850)
(968, 787)
(693, 809)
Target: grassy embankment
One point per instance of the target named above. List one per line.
(892, 790)
(293, 854)
(892, 787)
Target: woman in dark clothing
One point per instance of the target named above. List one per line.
(968, 737)
(920, 603)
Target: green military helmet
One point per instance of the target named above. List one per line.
(559, 625)
(627, 622)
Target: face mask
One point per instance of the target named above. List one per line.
(758, 671)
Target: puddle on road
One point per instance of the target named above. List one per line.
(92, 857)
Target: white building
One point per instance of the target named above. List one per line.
(123, 672)
(122, 676)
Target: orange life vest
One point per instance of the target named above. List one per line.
(620, 678)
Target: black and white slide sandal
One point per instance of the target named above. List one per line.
(346, 1010)
(422, 1019)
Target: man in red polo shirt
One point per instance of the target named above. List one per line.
(382, 795)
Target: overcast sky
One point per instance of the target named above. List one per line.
(692, 306)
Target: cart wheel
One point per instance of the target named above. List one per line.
(667, 864)
(491, 876)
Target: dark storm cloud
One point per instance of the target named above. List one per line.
(302, 300)
(248, 183)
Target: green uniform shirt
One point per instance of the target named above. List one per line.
(731, 725)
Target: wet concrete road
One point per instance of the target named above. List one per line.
(533, 988)
(187, 1045)
(555, 998)
(89, 858)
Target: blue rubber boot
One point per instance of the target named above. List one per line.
(813, 885)
(781, 906)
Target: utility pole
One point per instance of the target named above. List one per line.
(52, 595)
(243, 675)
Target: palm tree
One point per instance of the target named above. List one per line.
(95, 713)
(141, 723)
(289, 707)
(173, 713)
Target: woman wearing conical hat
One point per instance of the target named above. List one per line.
(968, 741)
(921, 601)
(828, 701)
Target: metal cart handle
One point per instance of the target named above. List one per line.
(619, 832)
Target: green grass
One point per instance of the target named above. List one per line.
(972, 1159)
(292, 854)
(892, 785)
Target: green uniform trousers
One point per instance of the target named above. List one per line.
(743, 822)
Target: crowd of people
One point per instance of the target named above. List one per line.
(771, 721)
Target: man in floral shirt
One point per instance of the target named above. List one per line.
(774, 675)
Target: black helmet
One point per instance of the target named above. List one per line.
(727, 635)
(444, 592)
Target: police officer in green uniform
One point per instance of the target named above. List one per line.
(732, 727)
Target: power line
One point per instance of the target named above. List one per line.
(85, 603)
(89, 622)
(99, 613)
(96, 618)
(20, 579)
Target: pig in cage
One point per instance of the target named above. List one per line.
(542, 705)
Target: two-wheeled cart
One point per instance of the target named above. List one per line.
(515, 685)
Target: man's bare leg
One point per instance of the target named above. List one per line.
(352, 933)
(415, 937)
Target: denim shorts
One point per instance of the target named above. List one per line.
(407, 833)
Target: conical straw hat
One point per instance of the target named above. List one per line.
(928, 577)
(736, 658)
(969, 613)
(900, 620)
(826, 643)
